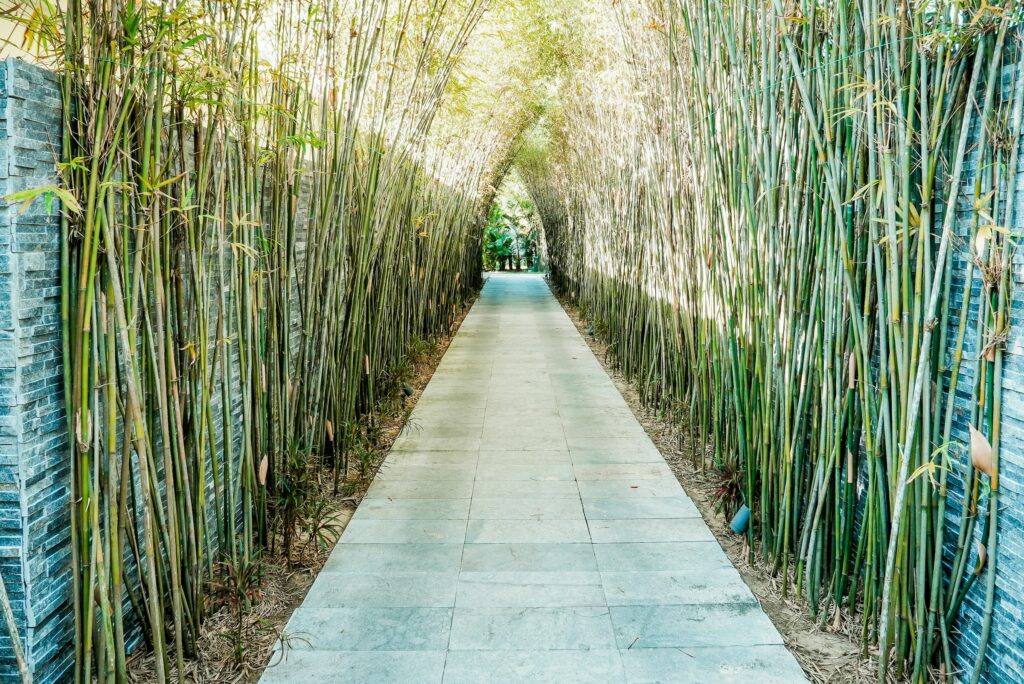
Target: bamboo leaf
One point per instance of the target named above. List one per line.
(48, 193)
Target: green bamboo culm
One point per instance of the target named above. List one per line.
(760, 220)
(263, 225)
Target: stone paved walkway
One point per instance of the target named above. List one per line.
(525, 529)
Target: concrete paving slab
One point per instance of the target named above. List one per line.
(529, 557)
(531, 488)
(696, 557)
(683, 626)
(405, 531)
(396, 469)
(620, 471)
(575, 413)
(527, 532)
(506, 415)
(539, 421)
(525, 529)
(421, 489)
(728, 665)
(519, 508)
(615, 435)
(613, 456)
(515, 629)
(533, 472)
(383, 508)
(398, 590)
(529, 589)
(648, 530)
(470, 415)
(427, 443)
(390, 558)
(620, 508)
(436, 430)
(672, 587)
(372, 629)
(365, 667)
(432, 458)
(525, 440)
(602, 489)
(524, 458)
(534, 667)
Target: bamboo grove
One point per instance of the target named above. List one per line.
(262, 215)
(793, 221)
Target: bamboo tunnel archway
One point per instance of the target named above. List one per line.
(795, 223)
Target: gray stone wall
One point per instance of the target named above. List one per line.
(34, 468)
(1004, 660)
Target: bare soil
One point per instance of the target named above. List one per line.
(829, 653)
(283, 587)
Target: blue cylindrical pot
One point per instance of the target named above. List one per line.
(740, 520)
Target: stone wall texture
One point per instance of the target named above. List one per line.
(1006, 645)
(35, 530)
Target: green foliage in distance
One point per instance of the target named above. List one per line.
(511, 235)
(508, 246)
